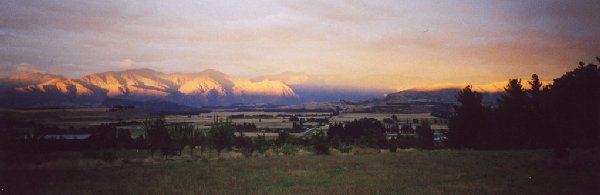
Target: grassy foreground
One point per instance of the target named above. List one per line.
(404, 172)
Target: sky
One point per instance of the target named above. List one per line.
(363, 44)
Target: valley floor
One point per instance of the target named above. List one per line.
(403, 172)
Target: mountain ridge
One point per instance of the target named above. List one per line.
(209, 87)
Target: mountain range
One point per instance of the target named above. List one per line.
(209, 87)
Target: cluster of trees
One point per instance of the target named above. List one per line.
(171, 139)
(372, 133)
(246, 127)
(367, 131)
(103, 136)
(563, 114)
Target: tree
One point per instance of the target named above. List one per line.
(245, 145)
(564, 114)
(102, 136)
(320, 143)
(364, 130)
(157, 134)
(395, 118)
(538, 111)
(407, 129)
(335, 130)
(124, 139)
(191, 138)
(294, 119)
(374, 138)
(201, 139)
(181, 136)
(513, 115)
(222, 134)
(336, 142)
(576, 107)
(536, 86)
(282, 138)
(424, 136)
(469, 120)
(140, 142)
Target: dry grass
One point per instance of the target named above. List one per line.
(404, 172)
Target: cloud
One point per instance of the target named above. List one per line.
(26, 67)
(8, 69)
(342, 11)
(125, 63)
(438, 41)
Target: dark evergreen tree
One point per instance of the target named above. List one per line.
(513, 116)
(469, 121)
(576, 114)
(540, 133)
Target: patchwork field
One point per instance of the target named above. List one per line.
(404, 172)
(80, 118)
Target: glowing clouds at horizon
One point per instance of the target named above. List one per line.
(366, 44)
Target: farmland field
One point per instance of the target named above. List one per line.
(80, 118)
(404, 172)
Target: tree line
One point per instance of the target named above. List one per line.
(369, 132)
(563, 114)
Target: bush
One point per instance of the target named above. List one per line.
(345, 148)
(405, 141)
(261, 144)
(245, 145)
(424, 136)
(336, 142)
(289, 149)
(393, 144)
(320, 144)
(282, 138)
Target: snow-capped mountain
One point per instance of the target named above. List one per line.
(209, 87)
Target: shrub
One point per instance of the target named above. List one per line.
(345, 148)
(405, 141)
(336, 142)
(261, 144)
(393, 144)
(424, 136)
(289, 149)
(282, 138)
(320, 143)
(245, 145)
